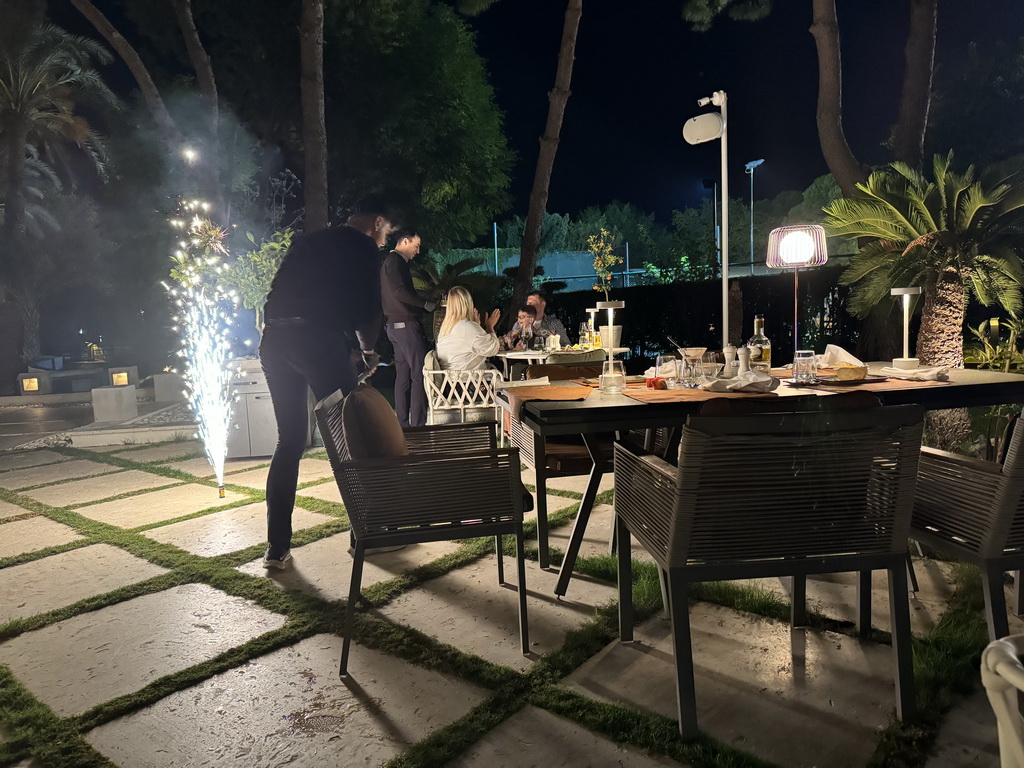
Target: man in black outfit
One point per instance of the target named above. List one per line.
(326, 292)
(404, 309)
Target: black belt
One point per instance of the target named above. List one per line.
(282, 321)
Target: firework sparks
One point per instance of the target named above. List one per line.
(205, 315)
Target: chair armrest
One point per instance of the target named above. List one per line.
(936, 458)
(385, 495)
(452, 438)
(645, 498)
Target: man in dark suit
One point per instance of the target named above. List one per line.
(404, 309)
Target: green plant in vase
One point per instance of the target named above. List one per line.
(602, 247)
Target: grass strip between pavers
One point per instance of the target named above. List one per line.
(957, 640)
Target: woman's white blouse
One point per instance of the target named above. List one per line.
(467, 347)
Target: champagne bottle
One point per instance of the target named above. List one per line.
(760, 348)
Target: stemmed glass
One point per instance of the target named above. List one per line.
(693, 370)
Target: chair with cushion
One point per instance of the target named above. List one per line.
(974, 509)
(563, 456)
(455, 396)
(426, 484)
(771, 494)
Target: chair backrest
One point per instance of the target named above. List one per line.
(1010, 499)
(360, 426)
(767, 486)
(460, 391)
(576, 358)
(562, 372)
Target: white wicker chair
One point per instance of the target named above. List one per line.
(455, 396)
(1003, 677)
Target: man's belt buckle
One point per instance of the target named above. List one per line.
(398, 325)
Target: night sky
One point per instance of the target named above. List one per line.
(639, 71)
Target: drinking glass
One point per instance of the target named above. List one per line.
(613, 376)
(585, 339)
(805, 367)
(693, 369)
(712, 363)
(667, 367)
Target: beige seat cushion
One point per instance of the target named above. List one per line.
(371, 426)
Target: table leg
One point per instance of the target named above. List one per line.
(579, 528)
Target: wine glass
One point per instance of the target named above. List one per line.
(585, 339)
(693, 371)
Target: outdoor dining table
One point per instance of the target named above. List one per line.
(602, 413)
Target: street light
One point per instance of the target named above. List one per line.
(697, 130)
(712, 184)
(750, 170)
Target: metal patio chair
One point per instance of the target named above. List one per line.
(772, 494)
(1003, 677)
(425, 484)
(459, 396)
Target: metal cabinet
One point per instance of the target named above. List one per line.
(253, 429)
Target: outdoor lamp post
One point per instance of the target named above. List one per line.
(698, 130)
(712, 184)
(908, 297)
(795, 247)
(750, 168)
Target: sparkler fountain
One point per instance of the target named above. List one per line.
(205, 314)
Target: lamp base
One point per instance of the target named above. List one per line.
(906, 363)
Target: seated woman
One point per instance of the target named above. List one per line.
(464, 341)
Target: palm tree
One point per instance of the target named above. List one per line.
(40, 79)
(957, 235)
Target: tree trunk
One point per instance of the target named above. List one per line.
(30, 323)
(14, 198)
(557, 99)
(314, 127)
(10, 347)
(209, 166)
(138, 69)
(915, 98)
(941, 338)
(844, 167)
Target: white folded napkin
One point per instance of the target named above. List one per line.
(938, 373)
(751, 381)
(834, 354)
(541, 382)
(665, 370)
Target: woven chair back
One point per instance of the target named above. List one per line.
(787, 486)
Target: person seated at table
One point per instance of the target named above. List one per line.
(524, 331)
(550, 324)
(466, 339)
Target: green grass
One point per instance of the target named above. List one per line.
(945, 661)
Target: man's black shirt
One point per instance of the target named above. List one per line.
(398, 296)
(332, 279)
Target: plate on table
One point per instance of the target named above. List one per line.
(525, 355)
(832, 381)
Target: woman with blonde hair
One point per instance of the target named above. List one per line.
(465, 341)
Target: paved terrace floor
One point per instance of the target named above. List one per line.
(138, 628)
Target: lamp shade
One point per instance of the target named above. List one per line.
(797, 246)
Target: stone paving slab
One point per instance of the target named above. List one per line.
(325, 492)
(795, 697)
(309, 469)
(324, 568)
(104, 448)
(65, 578)
(32, 534)
(470, 610)
(290, 708)
(24, 459)
(80, 492)
(536, 738)
(162, 452)
(228, 530)
(52, 473)
(157, 506)
(88, 659)
(10, 510)
(574, 483)
(968, 735)
(596, 538)
(200, 467)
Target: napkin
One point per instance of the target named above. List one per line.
(751, 381)
(665, 370)
(541, 382)
(938, 373)
(834, 354)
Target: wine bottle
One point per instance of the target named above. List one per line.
(760, 348)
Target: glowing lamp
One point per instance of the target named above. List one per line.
(794, 248)
(119, 379)
(30, 385)
(908, 297)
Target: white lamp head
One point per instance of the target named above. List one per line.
(702, 128)
(797, 246)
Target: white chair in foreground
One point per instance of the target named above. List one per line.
(1002, 674)
(456, 396)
